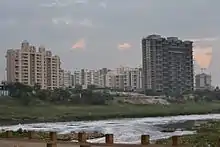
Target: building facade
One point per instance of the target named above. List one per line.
(86, 77)
(203, 82)
(66, 79)
(125, 79)
(30, 67)
(167, 64)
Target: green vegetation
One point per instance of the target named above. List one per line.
(207, 135)
(27, 104)
(27, 95)
(14, 113)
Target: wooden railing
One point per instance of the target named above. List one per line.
(52, 140)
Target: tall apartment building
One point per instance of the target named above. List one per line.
(203, 81)
(30, 67)
(77, 79)
(83, 77)
(61, 78)
(66, 79)
(101, 73)
(115, 80)
(167, 64)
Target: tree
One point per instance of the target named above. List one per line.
(37, 87)
(26, 94)
(43, 94)
(60, 95)
(78, 89)
(92, 87)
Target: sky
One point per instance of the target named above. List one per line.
(107, 33)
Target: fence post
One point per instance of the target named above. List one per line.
(174, 140)
(218, 143)
(9, 134)
(30, 134)
(53, 136)
(145, 139)
(109, 138)
(82, 137)
(51, 144)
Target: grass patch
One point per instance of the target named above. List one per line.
(11, 113)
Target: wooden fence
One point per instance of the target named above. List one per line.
(52, 140)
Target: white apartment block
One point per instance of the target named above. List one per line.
(66, 79)
(125, 78)
(30, 67)
(77, 79)
(136, 78)
(86, 77)
(203, 81)
(121, 78)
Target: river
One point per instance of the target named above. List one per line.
(124, 130)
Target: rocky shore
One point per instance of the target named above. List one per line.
(45, 135)
(188, 125)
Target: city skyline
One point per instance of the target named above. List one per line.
(90, 34)
(31, 65)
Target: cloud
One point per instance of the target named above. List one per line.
(57, 3)
(203, 56)
(124, 46)
(69, 21)
(81, 2)
(61, 20)
(80, 44)
(103, 4)
(86, 23)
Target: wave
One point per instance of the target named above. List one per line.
(124, 130)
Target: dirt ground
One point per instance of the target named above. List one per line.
(9, 143)
(14, 143)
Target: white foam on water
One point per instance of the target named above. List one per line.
(124, 130)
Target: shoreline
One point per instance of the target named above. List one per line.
(207, 134)
(11, 122)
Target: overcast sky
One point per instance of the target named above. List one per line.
(107, 33)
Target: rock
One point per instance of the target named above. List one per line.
(168, 130)
(19, 131)
(74, 136)
(64, 137)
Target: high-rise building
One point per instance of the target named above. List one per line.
(30, 67)
(203, 81)
(61, 78)
(86, 77)
(66, 79)
(167, 64)
(125, 78)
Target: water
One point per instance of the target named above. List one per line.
(124, 130)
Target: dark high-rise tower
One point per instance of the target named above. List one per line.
(167, 64)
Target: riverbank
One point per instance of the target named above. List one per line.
(15, 114)
(20, 133)
(207, 134)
